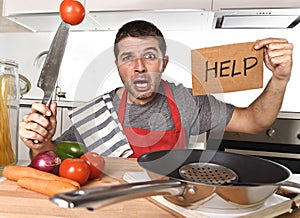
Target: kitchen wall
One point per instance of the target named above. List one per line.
(88, 66)
(91, 62)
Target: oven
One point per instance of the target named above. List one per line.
(279, 143)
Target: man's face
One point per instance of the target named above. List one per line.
(140, 65)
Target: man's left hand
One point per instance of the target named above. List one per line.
(277, 56)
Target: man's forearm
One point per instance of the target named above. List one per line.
(266, 107)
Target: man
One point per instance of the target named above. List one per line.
(147, 105)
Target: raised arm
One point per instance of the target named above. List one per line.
(261, 113)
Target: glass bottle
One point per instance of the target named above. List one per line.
(9, 112)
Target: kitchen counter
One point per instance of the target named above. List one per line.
(18, 202)
(71, 104)
(60, 103)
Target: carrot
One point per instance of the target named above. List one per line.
(46, 187)
(16, 172)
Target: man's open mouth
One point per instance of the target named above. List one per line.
(141, 85)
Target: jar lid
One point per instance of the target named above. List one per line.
(8, 62)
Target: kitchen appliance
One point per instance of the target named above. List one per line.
(279, 143)
(256, 19)
(257, 181)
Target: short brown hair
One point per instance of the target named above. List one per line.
(140, 28)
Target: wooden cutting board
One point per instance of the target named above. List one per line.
(19, 202)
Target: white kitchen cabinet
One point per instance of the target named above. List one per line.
(13, 7)
(41, 15)
(117, 5)
(65, 122)
(23, 151)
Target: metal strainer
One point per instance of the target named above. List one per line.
(208, 173)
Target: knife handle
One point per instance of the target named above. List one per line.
(47, 103)
(37, 141)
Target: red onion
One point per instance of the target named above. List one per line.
(46, 161)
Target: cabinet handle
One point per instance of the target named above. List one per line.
(38, 57)
(61, 94)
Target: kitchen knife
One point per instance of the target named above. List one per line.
(50, 70)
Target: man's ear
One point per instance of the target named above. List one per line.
(165, 63)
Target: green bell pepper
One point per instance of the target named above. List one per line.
(67, 149)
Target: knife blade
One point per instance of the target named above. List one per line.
(50, 70)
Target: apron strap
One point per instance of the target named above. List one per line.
(122, 107)
(172, 105)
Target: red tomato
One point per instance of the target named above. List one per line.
(75, 169)
(95, 162)
(72, 12)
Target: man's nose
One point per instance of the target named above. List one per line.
(140, 65)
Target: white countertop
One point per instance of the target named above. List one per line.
(71, 104)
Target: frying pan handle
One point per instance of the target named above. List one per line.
(291, 184)
(101, 196)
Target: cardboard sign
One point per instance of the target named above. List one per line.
(227, 68)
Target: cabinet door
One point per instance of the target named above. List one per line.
(13, 7)
(112, 5)
(40, 15)
(65, 120)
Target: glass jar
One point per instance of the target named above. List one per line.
(9, 112)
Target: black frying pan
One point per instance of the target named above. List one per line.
(251, 180)
(250, 170)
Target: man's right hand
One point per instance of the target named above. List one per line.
(39, 126)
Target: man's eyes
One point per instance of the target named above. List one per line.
(130, 57)
(149, 56)
(126, 58)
